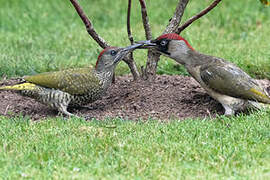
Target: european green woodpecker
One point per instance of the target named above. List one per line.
(222, 80)
(73, 87)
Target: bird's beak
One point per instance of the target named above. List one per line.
(146, 44)
(124, 51)
(132, 47)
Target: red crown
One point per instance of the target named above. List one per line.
(174, 36)
(102, 52)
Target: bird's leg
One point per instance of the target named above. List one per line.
(63, 109)
(86, 117)
(228, 110)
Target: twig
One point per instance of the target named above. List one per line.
(89, 27)
(130, 37)
(177, 16)
(129, 59)
(151, 59)
(149, 72)
(200, 14)
(208, 112)
(146, 24)
(101, 42)
(6, 110)
(132, 66)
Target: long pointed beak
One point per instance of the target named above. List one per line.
(132, 47)
(147, 43)
(124, 51)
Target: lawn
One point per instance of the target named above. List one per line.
(47, 35)
(119, 149)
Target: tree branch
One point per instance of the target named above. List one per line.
(130, 37)
(152, 61)
(146, 24)
(129, 59)
(101, 42)
(89, 27)
(177, 16)
(200, 14)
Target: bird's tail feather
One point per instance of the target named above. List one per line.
(19, 87)
(257, 105)
(261, 95)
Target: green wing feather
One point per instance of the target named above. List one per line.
(228, 79)
(73, 81)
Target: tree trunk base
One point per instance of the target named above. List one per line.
(149, 72)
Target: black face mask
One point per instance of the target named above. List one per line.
(162, 45)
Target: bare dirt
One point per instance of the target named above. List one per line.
(168, 97)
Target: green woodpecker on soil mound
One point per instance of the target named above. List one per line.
(222, 80)
(74, 87)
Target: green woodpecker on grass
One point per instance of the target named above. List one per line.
(222, 80)
(73, 87)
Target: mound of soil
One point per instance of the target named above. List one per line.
(168, 97)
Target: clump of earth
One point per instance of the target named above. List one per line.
(168, 97)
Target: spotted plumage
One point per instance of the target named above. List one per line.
(73, 87)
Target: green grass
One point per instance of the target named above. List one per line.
(190, 149)
(47, 35)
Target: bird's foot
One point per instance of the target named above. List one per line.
(228, 110)
(68, 116)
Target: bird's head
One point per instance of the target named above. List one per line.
(110, 56)
(171, 45)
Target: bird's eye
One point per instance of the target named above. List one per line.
(163, 43)
(113, 52)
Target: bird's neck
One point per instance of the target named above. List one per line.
(193, 58)
(105, 78)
